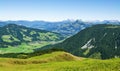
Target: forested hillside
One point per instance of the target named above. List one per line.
(12, 35)
(98, 41)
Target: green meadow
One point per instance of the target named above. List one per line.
(24, 47)
(58, 61)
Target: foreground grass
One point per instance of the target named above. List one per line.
(58, 61)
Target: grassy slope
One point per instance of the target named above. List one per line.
(58, 61)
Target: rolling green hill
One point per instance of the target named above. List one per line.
(98, 41)
(58, 61)
(20, 39)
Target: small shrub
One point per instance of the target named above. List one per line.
(22, 56)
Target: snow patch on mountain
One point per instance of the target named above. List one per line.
(87, 45)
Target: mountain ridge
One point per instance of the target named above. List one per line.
(66, 27)
(98, 41)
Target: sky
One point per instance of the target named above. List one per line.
(57, 10)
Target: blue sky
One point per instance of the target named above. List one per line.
(57, 10)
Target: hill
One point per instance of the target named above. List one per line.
(98, 41)
(3, 24)
(20, 39)
(58, 61)
(13, 35)
(56, 56)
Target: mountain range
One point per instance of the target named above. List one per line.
(66, 27)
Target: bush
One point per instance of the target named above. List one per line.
(22, 56)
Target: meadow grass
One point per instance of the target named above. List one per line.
(59, 61)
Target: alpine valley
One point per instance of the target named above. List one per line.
(60, 46)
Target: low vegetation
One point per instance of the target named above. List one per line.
(58, 61)
(24, 47)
